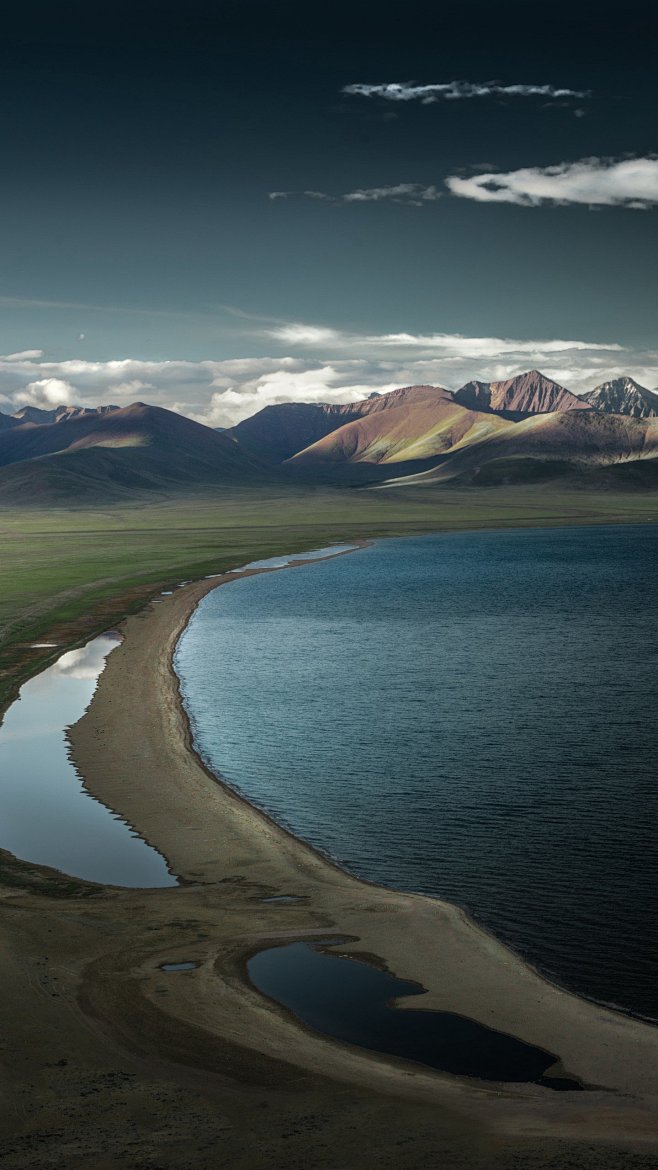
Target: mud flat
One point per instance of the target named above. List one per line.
(112, 1053)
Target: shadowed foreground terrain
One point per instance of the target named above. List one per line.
(97, 1074)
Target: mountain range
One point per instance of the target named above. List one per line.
(524, 429)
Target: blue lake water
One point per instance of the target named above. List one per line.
(471, 716)
(46, 816)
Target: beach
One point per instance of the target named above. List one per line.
(189, 1066)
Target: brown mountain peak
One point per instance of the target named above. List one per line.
(528, 393)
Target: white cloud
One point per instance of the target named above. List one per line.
(332, 382)
(317, 364)
(304, 334)
(45, 392)
(593, 182)
(407, 91)
(486, 347)
(409, 194)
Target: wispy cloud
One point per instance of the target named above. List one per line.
(123, 310)
(594, 182)
(413, 193)
(410, 194)
(24, 355)
(450, 345)
(306, 194)
(408, 91)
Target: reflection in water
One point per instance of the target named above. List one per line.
(46, 816)
(87, 661)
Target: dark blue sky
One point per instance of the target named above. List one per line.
(141, 140)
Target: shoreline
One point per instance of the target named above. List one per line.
(468, 916)
(466, 970)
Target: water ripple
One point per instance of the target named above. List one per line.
(470, 716)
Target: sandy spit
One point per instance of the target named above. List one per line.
(190, 1064)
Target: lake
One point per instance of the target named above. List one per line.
(471, 716)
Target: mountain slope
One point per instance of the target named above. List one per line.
(624, 396)
(565, 440)
(281, 431)
(530, 393)
(138, 448)
(410, 430)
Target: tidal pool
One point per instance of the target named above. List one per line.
(46, 816)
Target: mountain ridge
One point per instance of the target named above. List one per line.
(483, 433)
(42, 417)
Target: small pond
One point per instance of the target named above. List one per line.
(353, 1001)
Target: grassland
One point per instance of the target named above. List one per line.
(66, 573)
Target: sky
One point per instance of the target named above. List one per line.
(217, 205)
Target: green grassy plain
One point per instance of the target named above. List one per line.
(67, 573)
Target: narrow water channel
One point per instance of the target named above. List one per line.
(46, 815)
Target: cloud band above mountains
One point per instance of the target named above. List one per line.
(334, 366)
(408, 91)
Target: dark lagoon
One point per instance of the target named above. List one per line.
(471, 716)
(46, 816)
(354, 1002)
